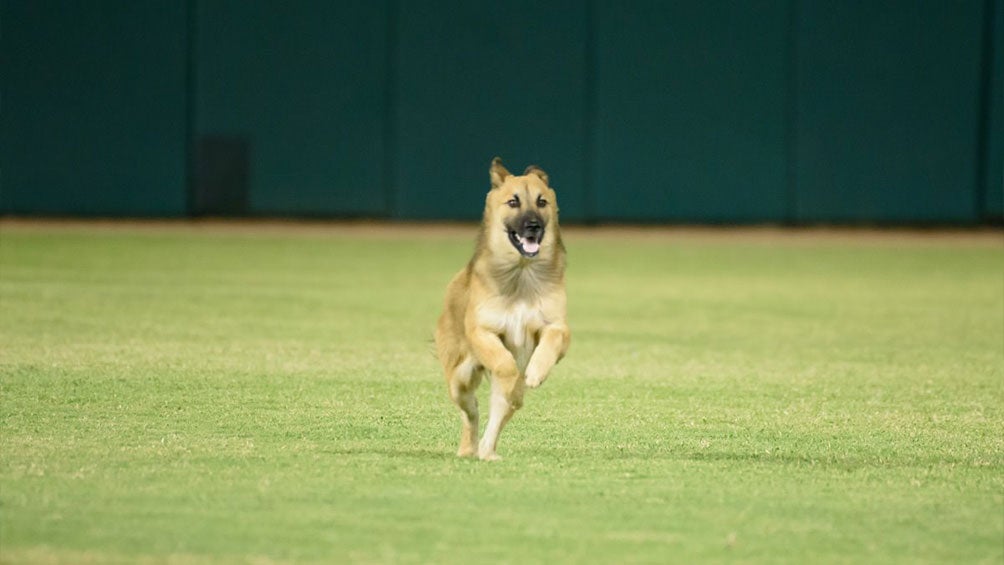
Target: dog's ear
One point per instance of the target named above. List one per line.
(535, 170)
(497, 172)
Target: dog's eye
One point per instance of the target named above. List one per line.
(514, 203)
(541, 202)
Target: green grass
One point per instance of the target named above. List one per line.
(191, 395)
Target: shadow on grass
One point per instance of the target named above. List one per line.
(848, 462)
(842, 461)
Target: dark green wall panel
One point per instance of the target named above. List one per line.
(993, 105)
(691, 111)
(477, 80)
(887, 110)
(305, 84)
(93, 118)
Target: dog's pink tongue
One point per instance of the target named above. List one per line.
(530, 246)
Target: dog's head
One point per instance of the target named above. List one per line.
(521, 211)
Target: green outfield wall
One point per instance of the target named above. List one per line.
(646, 111)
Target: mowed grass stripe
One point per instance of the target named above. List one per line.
(233, 395)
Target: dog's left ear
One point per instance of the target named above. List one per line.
(535, 170)
(497, 172)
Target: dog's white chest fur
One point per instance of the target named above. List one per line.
(518, 324)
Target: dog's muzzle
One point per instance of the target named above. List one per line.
(527, 234)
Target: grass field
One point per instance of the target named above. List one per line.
(187, 394)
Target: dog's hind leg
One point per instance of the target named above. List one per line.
(463, 383)
(507, 397)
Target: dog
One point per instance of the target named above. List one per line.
(505, 313)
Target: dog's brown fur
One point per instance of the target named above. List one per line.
(505, 312)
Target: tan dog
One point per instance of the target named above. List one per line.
(505, 312)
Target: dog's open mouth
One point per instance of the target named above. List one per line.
(527, 245)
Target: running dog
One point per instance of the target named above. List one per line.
(504, 313)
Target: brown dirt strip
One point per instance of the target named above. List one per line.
(763, 235)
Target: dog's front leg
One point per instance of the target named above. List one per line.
(554, 339)
(507, 387)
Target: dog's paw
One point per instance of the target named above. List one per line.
(533, 380)
(489, 456)
(486, 451)
(466, 452)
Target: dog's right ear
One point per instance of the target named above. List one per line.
(535, 170)
(497, 172)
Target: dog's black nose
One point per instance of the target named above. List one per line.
(531, 225)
